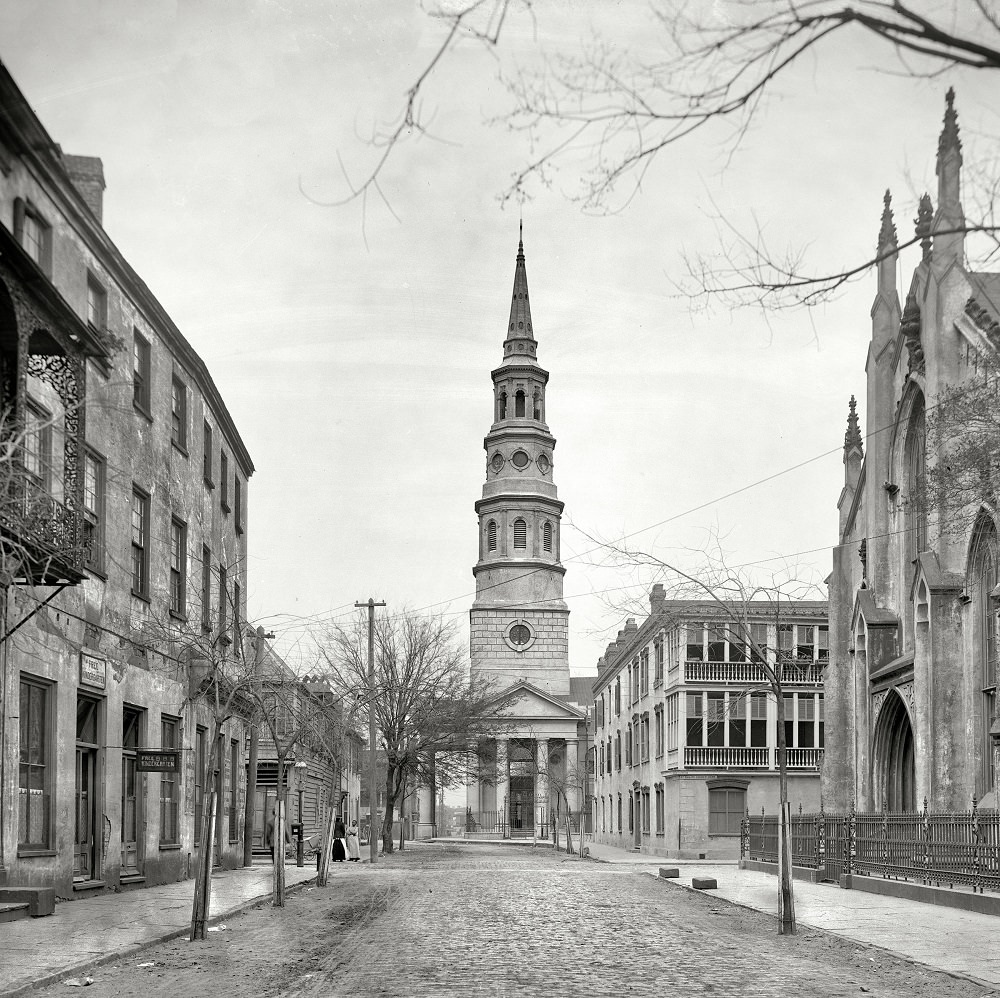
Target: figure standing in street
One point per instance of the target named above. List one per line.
(339, 852)
(353, 847)
(269, 833)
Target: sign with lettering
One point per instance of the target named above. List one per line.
(93, 670)
(158, 761)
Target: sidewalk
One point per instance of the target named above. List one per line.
(87, 932)
(949, 939)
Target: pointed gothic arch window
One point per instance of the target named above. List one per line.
(915, 458)
(519, 404)
(547, 536)
(502, 408)
(520, 535)
(491, 535)
(537, 408)
(984, 557)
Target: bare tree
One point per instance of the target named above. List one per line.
(430, 715)
(738, 602)
(606, 112)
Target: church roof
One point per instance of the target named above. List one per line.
(983, 306)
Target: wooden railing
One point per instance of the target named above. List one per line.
(750, 673)
(718, 756)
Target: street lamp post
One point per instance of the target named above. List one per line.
(300, 776)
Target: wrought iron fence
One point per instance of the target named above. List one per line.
(941, 848)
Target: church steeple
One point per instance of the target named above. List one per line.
(520, 342)
(949, 222)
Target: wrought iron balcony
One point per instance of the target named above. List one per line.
(43, 536)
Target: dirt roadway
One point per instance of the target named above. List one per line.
(489, 922)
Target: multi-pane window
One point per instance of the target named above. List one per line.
(644, 737)
(634, 677)
(737, 643)
(823, 643)
(178, 567)
(618, 752)
(238, 504)
(644, 671)
(206, 455)
(97, 304)
(223, 599)
(695, 642)
(737, 720)
(38, 445)
(619, 813)
(224, 481)
(178, 413)
(716, 719)
(658, 666)
(659, 731)
(35, 776)
(94, 483)
(673, 720)
(140, 543)
(520, 535)
(726, 807)
(141, 372)
(35, 234)
(717, 642)
(237, 595)
(233, 770)
(786, 640)
(758, 720)
(661, 821)
(805, 642)
(169, 787)
(206, 588)
(200, 763)
(758, 648)
(803, 720)
(618, 696)
(645, 810)
(628, 745)
(695, 719)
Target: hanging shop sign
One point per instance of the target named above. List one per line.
(158, 760)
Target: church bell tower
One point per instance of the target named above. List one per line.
(519, 621)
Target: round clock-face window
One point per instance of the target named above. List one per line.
(543, 463)
(519, 635)
(520, 460)
(497, 462)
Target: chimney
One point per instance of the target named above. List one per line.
(657, 596)
(87, 174)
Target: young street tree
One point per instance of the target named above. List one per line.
(430, 717)
(607, 112)
(737, 603)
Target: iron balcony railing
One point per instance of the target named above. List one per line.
(45, 529)
(942, 848)
(750, 673)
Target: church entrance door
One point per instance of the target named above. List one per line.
(522, 806)
(895, 767)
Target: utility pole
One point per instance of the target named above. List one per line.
(251, 801)
(372, 769)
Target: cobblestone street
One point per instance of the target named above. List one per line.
(491, 921)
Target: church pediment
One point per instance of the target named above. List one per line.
(526, 701)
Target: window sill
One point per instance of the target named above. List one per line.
(239, 529)
(224, 506)
(180, 448)
(97, 571)
(34, 852)
(178, 615)
(209, 484)
(142, 411)
(170, 846)
(143, 596)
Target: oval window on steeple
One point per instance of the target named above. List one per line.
(543, 463)
(520, 460)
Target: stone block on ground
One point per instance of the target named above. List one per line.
(669, 872)
(704, 883)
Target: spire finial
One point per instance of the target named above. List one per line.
(949, 132)
(852, 438)
(923, 223)
(887, 234)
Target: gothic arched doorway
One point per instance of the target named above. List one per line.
(894, 764)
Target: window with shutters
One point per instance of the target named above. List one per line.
(520, 535)
(491, 535)
(206, 458)
(547, 536)
(141, 373)
(178, 414)
(34, 234)
(140, 543)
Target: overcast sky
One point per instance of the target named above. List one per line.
(354, 352)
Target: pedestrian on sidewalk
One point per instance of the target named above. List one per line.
(353, 848)
(269, 833)
(339, 833)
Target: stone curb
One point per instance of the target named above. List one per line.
(957, 975)
(131, 950)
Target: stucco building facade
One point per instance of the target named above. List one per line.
(685, 725)
(913, 595)
(124, 545)
(519, 622)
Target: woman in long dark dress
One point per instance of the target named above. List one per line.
(339, 855)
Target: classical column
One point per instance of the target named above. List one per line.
(502, 784)
(542, 783)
